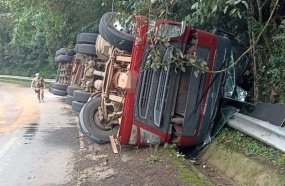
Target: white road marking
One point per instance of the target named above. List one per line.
(3, 151)
(82, 176)
(80, 135)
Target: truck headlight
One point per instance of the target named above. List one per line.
(133, 138)
(149, 138)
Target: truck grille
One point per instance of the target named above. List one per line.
(144, 94)
(161, 94)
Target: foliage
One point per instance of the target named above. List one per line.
(31, 32)
(36, 29)
(275, 70)
(153, 159)
(247, 20)
(187, 173)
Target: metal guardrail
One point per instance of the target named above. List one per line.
(270, 134)
(24, 78)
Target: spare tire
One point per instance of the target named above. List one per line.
(77, 106)
(86, 49)
(86, 38)
(58, 92)
(69, 100)
(81, 96)
(63, 58)
(59, 86)
(51, 85)
(116, 37)
(90, 125)
(65, 51)
(70, 89)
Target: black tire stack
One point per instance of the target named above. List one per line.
(79, 99)
(86, 43)
(64, 57)
(58, 89)
(70, 89)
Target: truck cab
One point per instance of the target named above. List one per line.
(171, 103)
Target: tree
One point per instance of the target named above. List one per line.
(39, 28)
(256, 23)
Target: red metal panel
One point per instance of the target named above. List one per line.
(164, 137)
(206, 40)
(128, 106)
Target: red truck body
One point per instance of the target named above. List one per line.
(135, 129)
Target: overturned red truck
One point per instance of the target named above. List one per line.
(144, 106)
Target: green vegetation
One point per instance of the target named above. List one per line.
(32, 31)
(153, 157)
(250, 147)
(22, 82)
(257, 24)
(188, 174)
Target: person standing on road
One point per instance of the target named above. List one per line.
(38, 84)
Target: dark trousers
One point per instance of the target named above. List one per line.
(40, 93)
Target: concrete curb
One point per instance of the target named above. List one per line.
(240, 168)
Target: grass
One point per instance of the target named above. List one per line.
(25, 83)
(188, 173)
(153, 159)
(251, 147)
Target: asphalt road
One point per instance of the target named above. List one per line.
(40, 145)
(37, 140)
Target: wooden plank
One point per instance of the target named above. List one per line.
(113, 145)
(123, 58)
(116, 98)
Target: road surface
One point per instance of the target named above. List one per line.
(36, 139)
(40, 145)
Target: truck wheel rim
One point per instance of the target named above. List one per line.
(104, 125)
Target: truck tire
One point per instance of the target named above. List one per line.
(59, 86)
(86, 38)
(81, 96)
(70, 89)
(86, 49)
(65, 51)
(115, 37)
(69, 99)
(51, 84)
(90, 125)
(77, 106)
(63, 58)
(58, 92)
